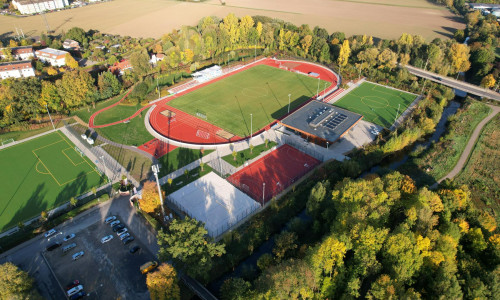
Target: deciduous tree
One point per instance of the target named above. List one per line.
(186, 244)
(70, 61)
(345, 52)
(150, 200)
(14, 283)
(163, 283)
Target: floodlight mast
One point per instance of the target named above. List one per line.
(251, 125)
(156, 169)
(47, 108)
(289, 102)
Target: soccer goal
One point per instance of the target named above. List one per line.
(8, 141)
(79, 151)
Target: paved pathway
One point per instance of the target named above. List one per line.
(470, 145)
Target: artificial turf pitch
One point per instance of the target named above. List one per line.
(376, 103)
(261, 91)
(41, 174)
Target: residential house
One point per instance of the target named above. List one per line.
(120, 67)
(155, 58)
(55, 57)
(16, 69)
(28, 7)
(71, 45)
(19, 53)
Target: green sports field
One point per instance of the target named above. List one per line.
(376, 103)
(261, 91)
(41, 174)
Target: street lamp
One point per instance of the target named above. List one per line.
(103, 164)
(251, 125)
(156, 170)
(324, 91)
(50, 117)
(263, 190)
(327, 145)
(289, 102)
(317, 90)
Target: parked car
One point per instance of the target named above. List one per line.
(150, 265)
(128, 240)
(124, 236)
(72, 284)
(53, 246)
(78, 295)
(106, 239)
(134, 249)
(118, 227)
(69, 237)
(109, 219)
(50, 233)
(121, 231)
(68, 247)
(77, 255)
(74, 290)
(114, 223)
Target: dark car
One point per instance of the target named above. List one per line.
(78, 295)
(134, 249)
(128, 240)
(118, 227)
(53, 246)
(72, 284)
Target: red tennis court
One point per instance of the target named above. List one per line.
(278, 170)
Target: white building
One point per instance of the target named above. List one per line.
(28, 7)
(207, 74)
(155, 58)
(19, 53)
(55, 57)
(16, 69)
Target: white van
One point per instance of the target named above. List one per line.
(74, 290)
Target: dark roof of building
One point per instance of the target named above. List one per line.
(322, 120)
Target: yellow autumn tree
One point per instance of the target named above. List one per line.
(163, 284)
(488, 81)
(70, 61)
(150, 200)
(459, 57)
(52, 71)
(345, 52)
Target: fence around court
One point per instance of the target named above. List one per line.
(306, 148)
(218, 231)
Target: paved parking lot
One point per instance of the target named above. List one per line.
(106, 271)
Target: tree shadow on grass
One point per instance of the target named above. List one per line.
(32, 207)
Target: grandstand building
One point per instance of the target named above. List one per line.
(207, 74)
(321, 123)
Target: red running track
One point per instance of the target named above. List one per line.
(92, 117)
(278, 170)
(190, 129)
(156, 147)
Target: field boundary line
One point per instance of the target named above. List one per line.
(70, 158)
(92, 168)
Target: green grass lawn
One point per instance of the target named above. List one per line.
(183, 180)
(178, 158)
(261, 91)
(131, 133)
(481, 171)
(86, 112)
(21, 135)
(376, 103)
(137, 165)
(41, 174)
(245, 155)
(116, 113)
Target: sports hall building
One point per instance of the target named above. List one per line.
(321, 123)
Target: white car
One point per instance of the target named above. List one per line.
(50, 233)
(69, 237)
(84, 136)
(90, 141)
(121, 231)
(124, 236)
(74, 290)
(106, 239)
(114, 223)
(109, 219)
(77, 255)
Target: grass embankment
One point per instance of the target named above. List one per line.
(116, 113)
(137, 165)
(441, 157)
(24, 134)
(481, 173)
(245, 155)
(185, 179)
(86, 112)
(131, 133)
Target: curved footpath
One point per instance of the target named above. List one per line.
(470, 145)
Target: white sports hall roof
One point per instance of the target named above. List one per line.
(215, 202)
